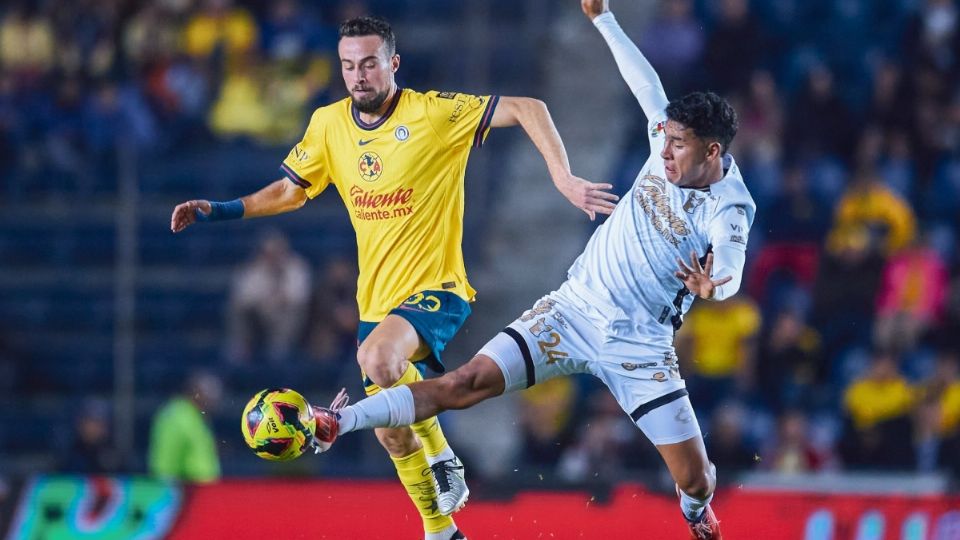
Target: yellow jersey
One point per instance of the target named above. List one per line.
(869, 401)
(401, 179)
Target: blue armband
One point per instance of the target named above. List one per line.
(220, 211)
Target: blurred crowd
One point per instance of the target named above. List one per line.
(80, 78)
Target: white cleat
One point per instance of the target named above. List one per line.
(451, 486)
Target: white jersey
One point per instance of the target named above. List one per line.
(627, 269)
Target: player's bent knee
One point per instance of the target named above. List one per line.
(382, 363)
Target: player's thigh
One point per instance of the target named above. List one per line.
(549, 340)
(650, 390)
(384, 353)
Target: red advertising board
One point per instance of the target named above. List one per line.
(371, 510)
(76, 508)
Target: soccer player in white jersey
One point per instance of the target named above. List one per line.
(681, 232)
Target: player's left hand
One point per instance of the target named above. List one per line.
(697, 278)
(594, 8)
(590, 197)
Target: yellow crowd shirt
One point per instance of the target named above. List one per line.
(871, 401)
(401, 179)
(720, 332)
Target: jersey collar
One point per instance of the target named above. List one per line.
(369, 127)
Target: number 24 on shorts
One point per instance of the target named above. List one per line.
(552, 340)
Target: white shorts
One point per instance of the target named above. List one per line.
(563, 334)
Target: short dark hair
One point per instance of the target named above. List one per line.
(707, 114)
(370, 26)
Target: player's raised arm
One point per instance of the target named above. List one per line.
(635, 69)
(277, 198)
(533, 116)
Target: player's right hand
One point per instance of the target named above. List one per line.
(185, 214)
(593, 8)
(592, 198)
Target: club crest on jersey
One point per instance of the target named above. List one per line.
(370, 166)
(401, 133)
(694, 200)
(656, 130)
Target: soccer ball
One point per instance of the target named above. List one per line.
(278, 424)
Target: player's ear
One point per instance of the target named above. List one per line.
(714, 150)
(395, 62)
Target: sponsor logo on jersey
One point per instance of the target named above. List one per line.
(370, 205)
(557, 316)
(362, 142)
(630, 366)
(655, 203)
(738, 239)
(447, 95)
(541, 307)
(370, 166)
(401, 133)
(299, 154)
(463, 103)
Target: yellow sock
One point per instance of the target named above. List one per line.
(429, 431)
(415, 475)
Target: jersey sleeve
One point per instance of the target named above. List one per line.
(639, 75)
(460, 119)
(306, 165)
(728, 233)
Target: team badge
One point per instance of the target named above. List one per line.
(401, 133)
(657, 129)
(693, 201)
(370, 166)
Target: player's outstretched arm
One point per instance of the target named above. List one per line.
(635, 69)
(533, 116)
(277, 198)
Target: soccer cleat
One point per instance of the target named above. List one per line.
(328, 422)
(706, 527)
(452, 490)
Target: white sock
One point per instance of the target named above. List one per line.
(441, 535)
(391, 407)
(693, 508)
(445, 454)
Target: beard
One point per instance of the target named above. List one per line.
(371, 104)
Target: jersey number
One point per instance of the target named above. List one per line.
(546, 347)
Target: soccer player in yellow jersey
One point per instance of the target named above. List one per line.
(397, 158)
